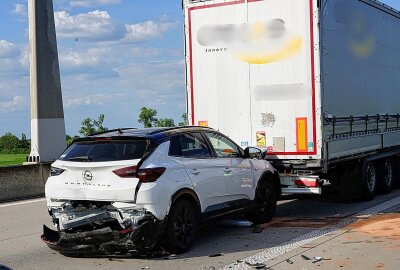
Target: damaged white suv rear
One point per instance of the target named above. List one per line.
(134, 189)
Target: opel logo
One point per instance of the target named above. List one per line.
(88, 175)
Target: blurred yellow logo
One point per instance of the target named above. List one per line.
(256, 43)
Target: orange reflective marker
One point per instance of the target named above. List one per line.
(203, 123)
(301, 134)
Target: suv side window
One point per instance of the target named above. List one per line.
(224, 148)
(175, 146)
(189, 145)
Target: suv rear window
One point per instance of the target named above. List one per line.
(99, 151)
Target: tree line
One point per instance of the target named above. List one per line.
(11, 144)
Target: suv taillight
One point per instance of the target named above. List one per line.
(144, 175)
(150, 174)
(127, 172)
(56, 171)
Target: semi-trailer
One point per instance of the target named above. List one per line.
(316, 83)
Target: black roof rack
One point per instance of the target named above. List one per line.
(111, 130)
(147, 131)
(177, 128)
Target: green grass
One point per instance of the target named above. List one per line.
(12, 159)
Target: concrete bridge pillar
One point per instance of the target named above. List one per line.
(47, 113)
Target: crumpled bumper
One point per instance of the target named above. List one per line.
(105, 241)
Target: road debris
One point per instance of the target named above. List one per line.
(256, 265)
(216, 255)
(318, 259)
(115, 260)
(305, 257)
(170, 257)
(289, 261)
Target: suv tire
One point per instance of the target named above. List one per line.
(182, 225)
(265, 204)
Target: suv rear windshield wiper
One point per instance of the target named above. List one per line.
(81, 158)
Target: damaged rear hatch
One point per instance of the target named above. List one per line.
(101, 170)
(91, 196)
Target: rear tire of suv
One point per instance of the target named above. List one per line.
(265, 204)
(182, 225)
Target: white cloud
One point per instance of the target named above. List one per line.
(146, 52)
(97, 99)
(99, 26)
(16, 103)
(8, 49)
(147, 30)
(91, 3)
(20, 10)
(91, 57)
(92, 26)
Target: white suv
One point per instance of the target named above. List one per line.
(132, 189)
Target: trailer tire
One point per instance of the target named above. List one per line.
(396, 167)
(385, 175)
(369, 181)
(265, 200)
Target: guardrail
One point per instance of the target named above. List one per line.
(24, 181)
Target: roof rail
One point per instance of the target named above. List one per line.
(111, 130)
(178, 127)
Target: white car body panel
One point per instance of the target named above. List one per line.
(208, 180)
(104, 186)
(239, 178)
(215, 181)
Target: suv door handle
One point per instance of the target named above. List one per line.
(195, 171)
(227, 170)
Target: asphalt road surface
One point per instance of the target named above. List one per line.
(234, 242)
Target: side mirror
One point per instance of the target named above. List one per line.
(254, 153)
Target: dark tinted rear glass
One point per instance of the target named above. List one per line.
(105, 151)
(190, 145)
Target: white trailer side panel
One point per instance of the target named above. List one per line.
(252, 69)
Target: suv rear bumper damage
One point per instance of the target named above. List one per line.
(101, 231)
(104, 241)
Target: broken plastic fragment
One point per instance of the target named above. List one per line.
(316, 259)
(216, 255)
(256, 265)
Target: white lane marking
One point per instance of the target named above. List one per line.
(288, 246)
(22, 202)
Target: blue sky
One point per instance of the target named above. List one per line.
(116, 56)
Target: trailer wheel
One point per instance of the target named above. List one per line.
(369, 181)
(396, 171)
(385, 176)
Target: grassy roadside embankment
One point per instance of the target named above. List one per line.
(12, 159)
